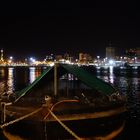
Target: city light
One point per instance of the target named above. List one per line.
(83, 59)
(111, 62)
(11, 57)
(32, 60)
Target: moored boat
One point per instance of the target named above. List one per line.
(68, 113)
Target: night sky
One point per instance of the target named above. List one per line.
(44, 27)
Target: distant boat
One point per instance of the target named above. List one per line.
(64, 111)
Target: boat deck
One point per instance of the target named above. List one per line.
(65, 112)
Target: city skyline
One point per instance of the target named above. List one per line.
(66, 27)
(110, 54)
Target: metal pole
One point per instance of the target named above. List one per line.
(55, 79)
(67, 89)
(3, 115)
(3, 111)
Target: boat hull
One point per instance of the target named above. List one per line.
(108, 126)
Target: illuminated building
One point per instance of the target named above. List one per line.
(131, 53)
(84, 57)
(81, 56)
(110, 52)
(58, 57)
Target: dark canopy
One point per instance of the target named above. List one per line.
(48, 75)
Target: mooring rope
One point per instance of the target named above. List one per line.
(19, 119)
(50, 112)
(64, 126)
(63, 101)
(60, 122)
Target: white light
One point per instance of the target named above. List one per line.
(11, 57)
(9, 61)
(111, 62)
(31, 58)
(52, 64)
(67, 61)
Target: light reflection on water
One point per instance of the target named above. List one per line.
(2, 83)
(10, 78)
(7, 80)
(127, 81)
(10, 81)
(32, 74)
(111, 75)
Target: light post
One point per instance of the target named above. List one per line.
(98, 60)
(32, 60)
(10, 60)
(135, 59)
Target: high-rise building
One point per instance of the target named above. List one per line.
(110, 52)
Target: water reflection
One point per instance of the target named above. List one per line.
(32, 74)
(6, 80)
(15, 79)
(10, 80)
(111, 75)
(135, 83)
(2, 83)
(2, 72)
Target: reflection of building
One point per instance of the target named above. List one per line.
(110, 52)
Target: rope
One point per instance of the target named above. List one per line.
(59, 103)
(61, 123)
(50, 112)
(19, 119)
(64, 126)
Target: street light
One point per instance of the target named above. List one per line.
(10, 60)
(111, 62)
(98, 57)
(11, 57)
(32, 60)
(135, 59)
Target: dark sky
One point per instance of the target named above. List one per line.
(45, 27)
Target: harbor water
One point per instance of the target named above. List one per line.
(126, 80)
